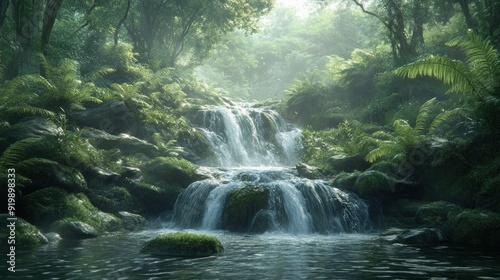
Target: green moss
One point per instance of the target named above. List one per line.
(48, 205)
(169, 169)
(345, 180)
(27, 234)
(475, 227)
(110, 198)
(242, 205)
(435, 213)
(184, 244)
(372, 182)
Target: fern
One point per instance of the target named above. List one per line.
(16, 156)
(30, 110)
(447, 115)
(423, 115)
(482, 58)
(451, 72)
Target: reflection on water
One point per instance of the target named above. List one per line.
(346, 256)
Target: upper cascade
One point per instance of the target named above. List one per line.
(245, 136)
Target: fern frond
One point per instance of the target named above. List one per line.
(402, 128)
(444, 116)
(386, 148)
(383, 135)
(30, 110)
(32, 162)
(451, 72)
(16, 152)
(98, 74)
(482, 57)
(423, 115)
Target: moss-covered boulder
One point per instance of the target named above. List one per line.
(475, 227)
(46, 206)
(74, 230)
(25, 234)
(374, 184)
(184, 244)
(132, 221)
(55, 174)
(171, 170)
(435, 213)
(241, 207)
(307, 171)
(348, 163)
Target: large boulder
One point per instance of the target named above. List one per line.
(25, 234)
(419, 236)
(242, 206)
(55, 174)
(132, 221)
(475, 227)
(348, 163)
(114, 117)
(307, 171)
(127, 144)
(33, 128)
(170, 170)
(184, 244)
(46, 206)
(435, 213)
(75, 230)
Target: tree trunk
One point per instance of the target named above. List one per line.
(49, 18)
(3, 12)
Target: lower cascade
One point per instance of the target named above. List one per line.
(269, 200)
(254, 191)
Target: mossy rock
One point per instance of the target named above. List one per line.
(170, 170)
(63, 176)
(74, 229)
(26, 234)
(345, 180)
(111, 198)
(435, 213)
(184, 244)
(475, 227)
(151, 200)
(488, 196)
(46, 206)
(374, 184)
(241, 207)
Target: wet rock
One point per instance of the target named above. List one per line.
(435, 213)
(184, 244)
(348, 163)
(26, 234)
(241, 207)
(53, 237)
(132, 221)
(420, 236)
(309, 172)
(113, 117)
(34, 128)
(76, 230)
(109, 222)
(131, 172)
(475, 227)
(170, 170)
(127, 144)
(103, 175)
(46, 206)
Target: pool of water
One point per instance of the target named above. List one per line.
(267, 256)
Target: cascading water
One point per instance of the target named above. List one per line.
(247, 136)
(255, 191)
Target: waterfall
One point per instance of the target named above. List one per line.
(247, 136)
(253, 189)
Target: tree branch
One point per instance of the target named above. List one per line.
(120, 23)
